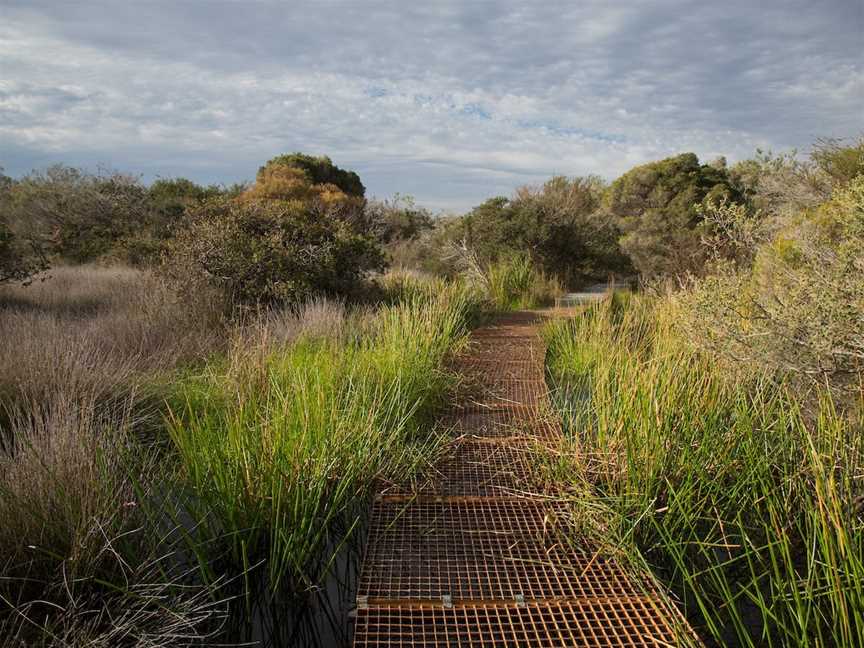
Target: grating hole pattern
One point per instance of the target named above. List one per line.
(624, 623)
(511, 351)
(502, 423)
(497, 371)
(471, 469)
(489, 550)
(532, 393)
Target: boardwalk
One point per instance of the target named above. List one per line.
(471, 559)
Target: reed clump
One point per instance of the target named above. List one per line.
(742, 496)
(279, 448)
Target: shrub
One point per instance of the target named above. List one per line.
(67, 213)
(398, 219)
(782, 185)
(18, 260)
(800, 309)
(556, 224)
(655, 206)
(257, 252)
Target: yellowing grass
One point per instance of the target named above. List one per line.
(747, 503)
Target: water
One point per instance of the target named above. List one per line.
(320, 617)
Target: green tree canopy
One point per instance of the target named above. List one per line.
(556, 223)
(656, 207)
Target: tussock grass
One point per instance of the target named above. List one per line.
(747, 504)
(129, 519)
(80, 563)
(89, 332)
(512, 283)
(279, 449)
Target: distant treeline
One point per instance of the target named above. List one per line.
(304, 226)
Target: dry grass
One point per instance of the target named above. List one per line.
(118, 531)
(79, 355)
(88, 333)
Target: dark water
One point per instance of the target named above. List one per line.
(318, 617)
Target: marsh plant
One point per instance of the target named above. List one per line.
(161, 472)
(743, 497)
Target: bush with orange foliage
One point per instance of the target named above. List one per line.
(300, 230)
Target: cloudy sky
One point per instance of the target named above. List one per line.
(449, 101)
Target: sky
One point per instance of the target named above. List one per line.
(451, 102)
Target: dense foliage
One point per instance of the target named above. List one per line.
(556, 224)
(67, 215)
(266, 252)
(716, 429)
(798, 306)
(656, 206)
(309, 171)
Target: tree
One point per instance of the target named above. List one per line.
(398, 220)
(655, 205)
(170, 197)
(267, 252)
(556, 223)
(18, 260)
(300, 230)
(311, 171)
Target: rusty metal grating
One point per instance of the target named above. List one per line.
(491, 371)
(480, 551)
(471, 469)
(529, 394)
(612, 623)
(497, 410)
(502, 424)
(533, 393)
(507, 350)
(467, 558)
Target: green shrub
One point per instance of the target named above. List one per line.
(69, 215)
(255, 252)
(800, 308)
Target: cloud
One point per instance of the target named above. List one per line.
(450, 101)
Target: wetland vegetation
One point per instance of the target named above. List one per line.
(201, 386)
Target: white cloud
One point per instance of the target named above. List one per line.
(451, 102)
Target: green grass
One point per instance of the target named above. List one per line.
(280, 449)
(204, 496)
(740, 495)
(514, 283)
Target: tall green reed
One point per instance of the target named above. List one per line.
(514, 283)
(741, 495)
(279, 449)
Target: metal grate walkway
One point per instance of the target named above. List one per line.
(467, 558)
